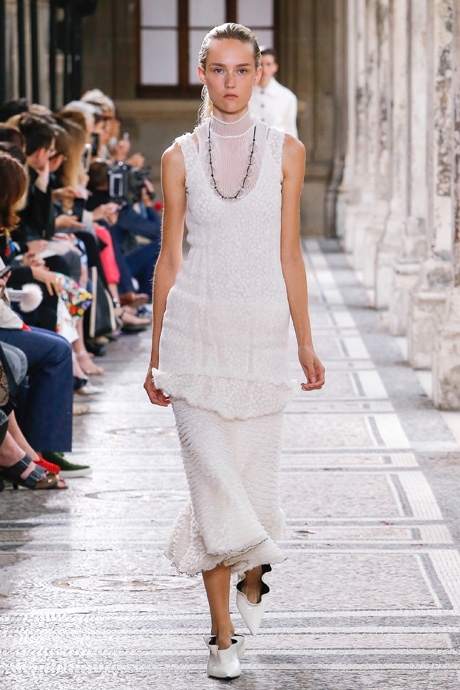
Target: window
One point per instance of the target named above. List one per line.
(171, 32)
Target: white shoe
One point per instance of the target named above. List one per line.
(252, 614)
(210, 641)
(223, 663)
(90, 389)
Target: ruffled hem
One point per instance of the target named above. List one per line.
(266, 552)
(231, 398)
(187, 551)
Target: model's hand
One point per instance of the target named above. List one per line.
(312, 368)
(156, 396)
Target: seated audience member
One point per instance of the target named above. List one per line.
(105, 107)
(12, 135)
(13, 108)
(37, 226)
(46, 420)
(13, 370)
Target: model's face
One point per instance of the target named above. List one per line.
(230, 75)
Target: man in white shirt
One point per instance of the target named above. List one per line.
(271, 102)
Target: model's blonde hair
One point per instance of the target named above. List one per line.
(229, 30)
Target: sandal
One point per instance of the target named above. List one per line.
(39, 478)
(89, 368)
(80, 408)
(130, 323)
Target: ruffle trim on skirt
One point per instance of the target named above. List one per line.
(187, 552)
(232, 398)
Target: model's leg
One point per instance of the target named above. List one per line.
(217, 584)
(260, 470)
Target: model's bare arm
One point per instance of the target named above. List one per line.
(170, 257)
(292, 261)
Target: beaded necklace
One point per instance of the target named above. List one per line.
(241, 189)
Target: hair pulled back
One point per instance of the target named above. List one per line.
(12, 190)
(229, 30)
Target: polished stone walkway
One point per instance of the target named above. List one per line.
(369, 596)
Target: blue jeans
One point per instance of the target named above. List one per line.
(47, 418)
(141, 263)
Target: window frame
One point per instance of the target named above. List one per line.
(184, 89)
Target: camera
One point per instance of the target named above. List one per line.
(94, 144)
(86, 157)
(126, 183)
(78, 208)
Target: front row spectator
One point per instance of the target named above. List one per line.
(47, 414)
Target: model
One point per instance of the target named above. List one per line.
(220, 333)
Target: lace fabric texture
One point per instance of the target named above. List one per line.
(224, 342)
(233, 516)
(233, 153)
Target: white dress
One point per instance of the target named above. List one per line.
(224, 348)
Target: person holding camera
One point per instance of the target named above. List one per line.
(131, 189)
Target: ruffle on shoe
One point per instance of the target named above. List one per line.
(231, 398)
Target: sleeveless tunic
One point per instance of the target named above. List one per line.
(224, 340)
(224, 358)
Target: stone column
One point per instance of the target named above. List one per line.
(356, 165)
(382, 140)
(427, 301)
(390, 241)
(446, 358)
(307, 50)
(368, 110)
(346, 199)
(413, 248)
(340, 116)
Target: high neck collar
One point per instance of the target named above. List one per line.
(232, 129)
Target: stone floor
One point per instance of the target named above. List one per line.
(369, 596)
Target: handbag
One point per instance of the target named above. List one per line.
(99, 319)
(4, 388)
(76, 298)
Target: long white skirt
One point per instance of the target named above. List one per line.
(233, 516)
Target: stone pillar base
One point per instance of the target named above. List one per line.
(374, 233)
(388, 251)
(362, 221)
(405, 276)
(426, 310)
(446, 357)
(349, 224)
